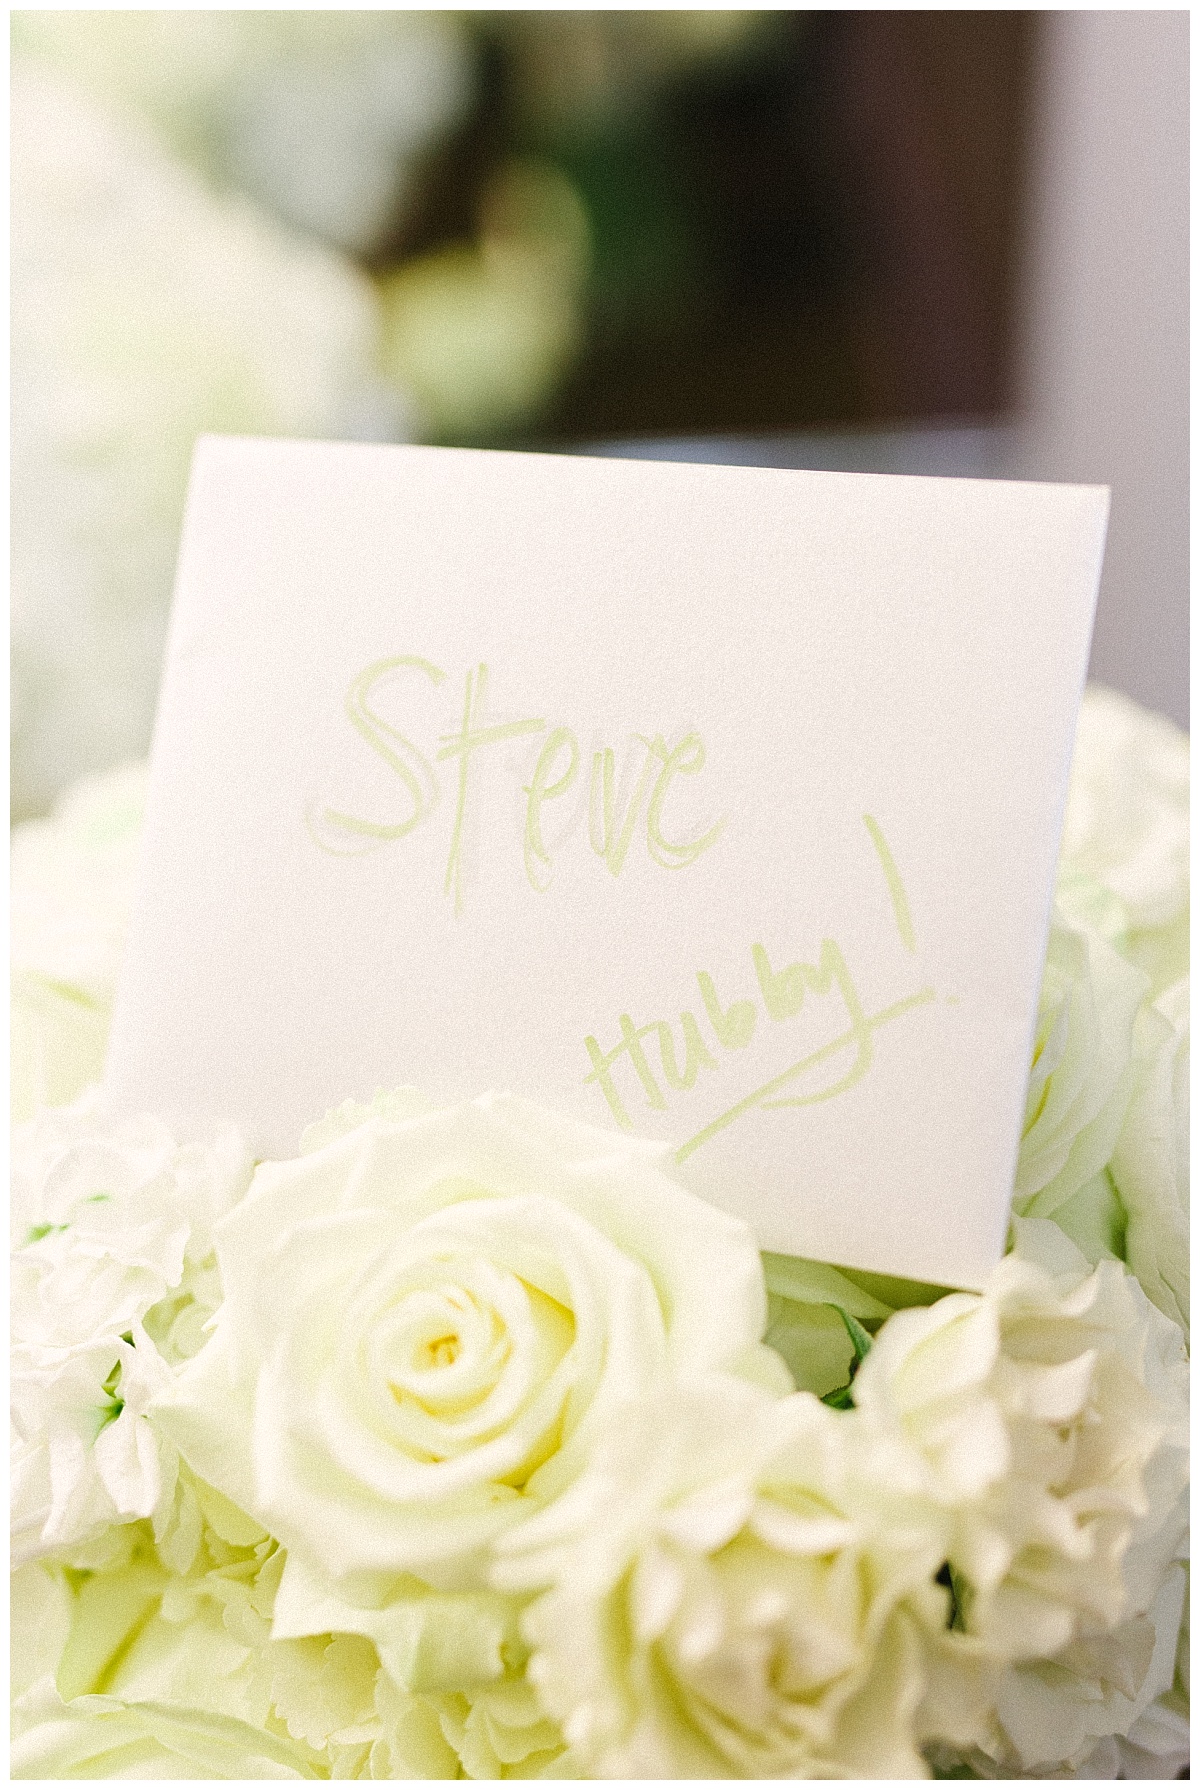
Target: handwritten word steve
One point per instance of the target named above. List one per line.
(611, 825)
(785, 992)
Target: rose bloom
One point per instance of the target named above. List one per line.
(426, 1320)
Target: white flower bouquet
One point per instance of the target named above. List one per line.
(468, 1443)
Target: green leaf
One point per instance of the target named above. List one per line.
(842, 1398)
(812, 1340)
(859, 1337)
(816, 1283)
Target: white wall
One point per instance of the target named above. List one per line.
(1104, 363)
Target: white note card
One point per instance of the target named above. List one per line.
(712, 805)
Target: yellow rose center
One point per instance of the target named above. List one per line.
(442, 1352)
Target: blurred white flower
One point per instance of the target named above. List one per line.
(1158, 1744)
(1149, 1167)
(1048, 1416)
(144, 310)
(72, 879)
(1127, 808)
(1082, 1071)
(317, 115)
(1126, 832)
(727, 1599)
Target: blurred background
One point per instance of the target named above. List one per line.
(948, 242)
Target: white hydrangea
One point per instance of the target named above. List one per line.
(318, 115)
(1159, 1742)
(137, 1670)
(1073, 1709)
(1110, 1706)
(726, 1599)
(85, 1455)
(1048, 1417)
(145, 309)
(113, 1278)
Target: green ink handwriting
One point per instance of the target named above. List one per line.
(867, 1023)
(540, 790)
(684, 760)
(697, 1056)
(610, 837)
(460, 745)
(733, 1025)
(900, 907)
(784, 993)
(611, 829)
(409, 764)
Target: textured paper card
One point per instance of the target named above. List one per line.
(714, 805)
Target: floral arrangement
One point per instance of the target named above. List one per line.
(468, 1443)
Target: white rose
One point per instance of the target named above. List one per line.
(1082, 1073)
(728, 1598)
(1048, 1418)
(426, 1321)
(1149, 1166)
